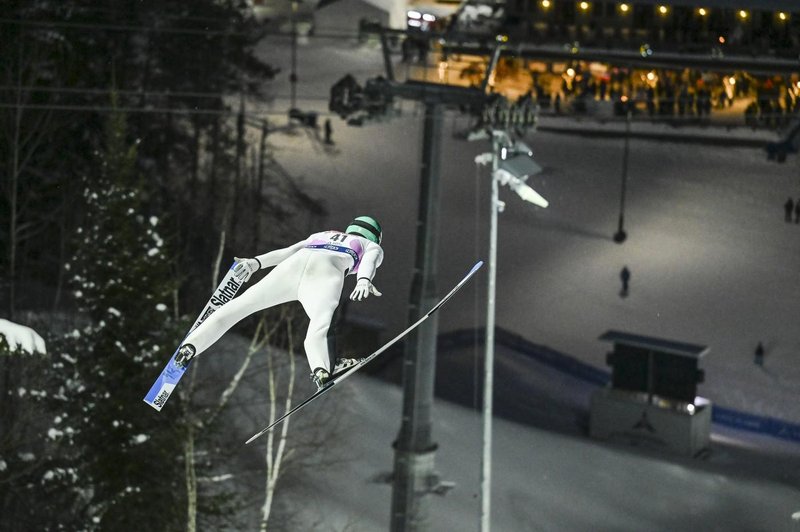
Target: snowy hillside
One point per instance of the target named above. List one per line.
(712, 260)
(547, 474)
(542, 480)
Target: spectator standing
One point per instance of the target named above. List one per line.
(625, 277)
(788, 208)
(407, 50)
(683, 100)
(759, 355)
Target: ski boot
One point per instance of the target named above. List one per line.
(185, 354)
(320, 377)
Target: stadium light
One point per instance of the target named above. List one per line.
(515, 169)
(620, 236)
(512, 164)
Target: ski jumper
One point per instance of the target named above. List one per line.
(312, 272)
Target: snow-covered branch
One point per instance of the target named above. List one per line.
(22, 337)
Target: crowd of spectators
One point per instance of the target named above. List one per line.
(676, 95)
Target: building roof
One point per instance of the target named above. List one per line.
(655, 344)
(766, 5)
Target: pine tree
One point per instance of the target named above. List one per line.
(184, 55)
(125, 455)
(27, 452)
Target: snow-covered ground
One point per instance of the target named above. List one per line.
(21, 337)
(713, 263)
(712, 260)
(541, 480)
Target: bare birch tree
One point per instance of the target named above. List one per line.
(25, 133)
(277, 452)
(262, 339)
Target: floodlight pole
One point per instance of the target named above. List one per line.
(621, 235)
(415, 449)
(293, 74)
(414, 477)
(488, 383)
(504, 169)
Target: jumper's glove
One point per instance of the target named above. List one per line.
(245, 268)
(363, 289)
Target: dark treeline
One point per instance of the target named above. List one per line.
(131, 175)
(182, 71)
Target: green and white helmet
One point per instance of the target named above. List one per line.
(366, 226)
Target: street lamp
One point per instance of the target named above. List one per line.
(513, 170)
(512, 164)
(621, 235)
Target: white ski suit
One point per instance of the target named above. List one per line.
(312, 272)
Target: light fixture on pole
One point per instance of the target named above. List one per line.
(512, 164)
(515, 168)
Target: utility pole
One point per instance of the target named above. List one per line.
(512, 164)
(414, 474)
(293, 74)
(488, 380)
(621, 235)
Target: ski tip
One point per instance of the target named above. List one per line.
(253, 437)
(476, 267)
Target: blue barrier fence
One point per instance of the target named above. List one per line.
(566, 364)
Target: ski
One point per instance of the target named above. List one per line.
(171, 374)
(351, 370)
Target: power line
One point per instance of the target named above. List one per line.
(102, 108)
(131, 92)
(122, 92)
(181, 31)
(176, 110)
(258, 113)
(118, 27)
(123, 13)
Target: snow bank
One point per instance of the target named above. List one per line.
(22, 337)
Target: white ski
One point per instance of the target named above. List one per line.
(347, 373)
(171, 374)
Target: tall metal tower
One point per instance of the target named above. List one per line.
(414, 477)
